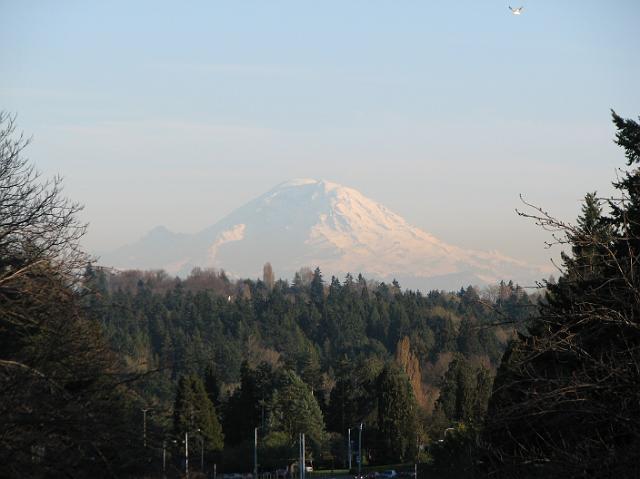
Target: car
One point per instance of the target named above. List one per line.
(388, 474)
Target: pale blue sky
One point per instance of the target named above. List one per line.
(176, 113)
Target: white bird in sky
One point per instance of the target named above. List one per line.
(516, 11)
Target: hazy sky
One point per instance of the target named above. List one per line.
(176, 113)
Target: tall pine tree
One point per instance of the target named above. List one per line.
(566, 401)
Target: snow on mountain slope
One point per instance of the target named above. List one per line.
(306, 222)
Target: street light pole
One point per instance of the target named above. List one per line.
(164, 457)
(301, 454)
(360, 451)
(186, 453)
(304, 466)
(255, 453)
(349, 446)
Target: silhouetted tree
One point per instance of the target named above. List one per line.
(566, 401)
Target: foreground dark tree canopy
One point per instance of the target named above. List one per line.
(566, 401)
(62, 409)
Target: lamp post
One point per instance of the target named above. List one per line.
(360, 451)
(255, 453)
(349, 446)
(186, 452)
(144, 426)
(302, 455)
(164, 457)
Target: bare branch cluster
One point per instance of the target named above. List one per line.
(566, 400)
(37, 223)
(61, 394)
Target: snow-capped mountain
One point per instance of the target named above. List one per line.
(305, 222)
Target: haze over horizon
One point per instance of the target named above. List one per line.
(307, 223)
(157, 115)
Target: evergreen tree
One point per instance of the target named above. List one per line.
(457, 392)
(293, 409)
(396, 415)
(344, 409)
(464, 394)
(563, 404)
(194, 412)
(243, 411)
(588, 243)
(316, 289)
(211, 384)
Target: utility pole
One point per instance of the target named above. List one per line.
(349, 446)
(186, 453)
(301, 455)
(360, 452)
(255, 453)
(201, 453)
(304, 466)
(164, 457)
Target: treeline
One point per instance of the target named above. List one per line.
(356, 351)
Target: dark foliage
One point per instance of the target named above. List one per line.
(566, 401)
(65, 409)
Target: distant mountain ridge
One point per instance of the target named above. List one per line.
(307, 222)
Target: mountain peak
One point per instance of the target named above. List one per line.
(297, 182)
(302, 182)
(313, 222)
